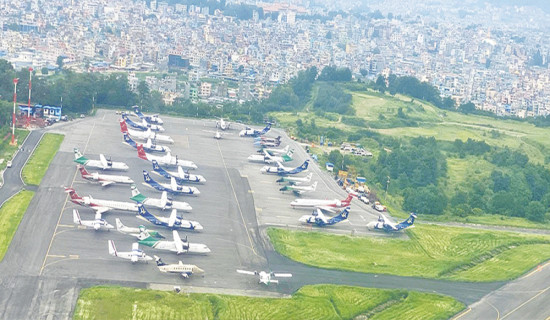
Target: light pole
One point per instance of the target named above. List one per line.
(29, 104)
(13, 142)
(387, 185)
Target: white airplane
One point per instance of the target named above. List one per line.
(267, 158)
(135, 255)
(327, 205)
(102, 163)
(384, 224)
(224, 125)
(296, 180)
(174, 221)
(181, 176)
(163, 203)
(283, 171)
(144, 135)
(249, 132)
(103, 179)
(172, 188)
(97, 224)
(298, 190)
(154, 118)
(217, 134)
(149, 146)
(99, 205)
(266, 277)
(184, 269)
(142, 125)
(274, 151)
(140, 232)
(177, 245)
(166, 159)
(319, 219)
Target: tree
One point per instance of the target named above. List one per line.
(467, 108)
(425, 200)
(535, 211)
(380, 84)
(363, 72)
(44, 71)
(336, 158)
(143, 92)
(59, 62)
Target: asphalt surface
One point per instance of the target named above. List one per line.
(50, 260)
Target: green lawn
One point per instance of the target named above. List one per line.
(36, 167)
(11, 214)
(440, 252)
(310, 302)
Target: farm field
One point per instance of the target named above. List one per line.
(38, 163)
(439, 252)
(11, 214)
(310, 302)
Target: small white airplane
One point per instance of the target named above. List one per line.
(140, 232)
(266, 277)
(327, 205)
(283, 171)
(184, 269)
(166, 159)
(173, 222)
(154, 118)
(149, 146)
(99, 205)
(267, 158)
(298, 190)
(102, 163)
(103, 179)
(142, 125)
(273, 151)
(172, 188)
(144, 135)
(319, 219)
(222, 124)
(177, 245)
(296, 180)
(217, 134)
(135, 255)
(181, 176)
(384, 224)
(97, 224)
(249, 132)
(163, 203)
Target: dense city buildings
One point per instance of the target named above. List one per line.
(494, 56)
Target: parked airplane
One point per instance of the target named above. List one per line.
(268, 139)
(163, 203)
(102, 163)
(140, 232)
(319, 219)
(384, 224)
(273, 151)
(149, 146)
(266, 277)
(143, 126)
(282, 170)
(172, 222)
(184, 269)
(97, 224)
(99, 205)
(327, 205)
(135, 255)
(166, 159)
(177, 245)
(222, 124)
(217, 134)
(103, 179)
(298, 190)
(172, 188)
(249, 132)
(267, 158)
(181, 176)
(296, 180)
(150, 119)
(144, 135)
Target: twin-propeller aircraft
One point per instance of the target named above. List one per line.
(103, 179)
(148, 146)
(102, 163)
(266, 277)
(386, 225)
(283, 171)
(317, 218)
(152, 119)
(172, 188)
(144, 135)
(166, 159)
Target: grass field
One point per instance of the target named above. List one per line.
(36, 167)
(11, 214)
(310, 302)
(432, 252)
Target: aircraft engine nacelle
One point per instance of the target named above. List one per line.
(339, 203)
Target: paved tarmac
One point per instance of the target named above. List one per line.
(50, 259)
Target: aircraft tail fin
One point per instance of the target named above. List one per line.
(123, 126)
(112, 248)
(173, 218)
(129, 140)
(314, 186)
(159, 261)
(72, 193)
(407, 223)
(348, 199)
(83, 170)
(340, 217)
(119, 225)
(76, 217)
(141, 152)
(147, 178)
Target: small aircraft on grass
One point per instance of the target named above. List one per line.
(266, 277)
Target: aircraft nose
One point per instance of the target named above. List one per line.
(197, 270)
(196, 191)
(197, 226)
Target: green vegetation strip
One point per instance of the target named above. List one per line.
(35, 169)
(11, 214)
(310, 302)
(7, 151)
(461, 254)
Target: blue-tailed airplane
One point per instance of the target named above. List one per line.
(283, 171)
(149, 146)
(384, 224)
(172, 188)
(318, 218)
(173, 221)
(143, 126)
(180, 176)
(153, 119)
(249, 132)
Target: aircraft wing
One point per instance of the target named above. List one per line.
(101, 210)
(177, 242)
(327, 209)
(105, 183)
(252, 273)
(103, 160)
(282, 275)
(387, 222)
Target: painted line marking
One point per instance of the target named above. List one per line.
(74, 256)
(363, 218)
(244, 176)
(526, 302)
(250, 191)
(258, 209)
(273, 198)
(66, 225)
(56, 256)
